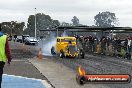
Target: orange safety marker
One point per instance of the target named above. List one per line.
(40, 56)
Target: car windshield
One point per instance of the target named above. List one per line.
(19, 36)
(31, 38)
(26, 36)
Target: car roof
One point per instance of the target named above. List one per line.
(31, 37)
(66, 37)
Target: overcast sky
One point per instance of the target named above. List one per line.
(64, 10)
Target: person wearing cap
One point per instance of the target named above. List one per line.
(5, 55)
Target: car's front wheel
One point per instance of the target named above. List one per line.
(53, 51)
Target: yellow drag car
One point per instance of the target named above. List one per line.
(65, 47)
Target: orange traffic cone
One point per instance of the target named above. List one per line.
(40, 56)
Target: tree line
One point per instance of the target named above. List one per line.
(43, 21)
(13, 27)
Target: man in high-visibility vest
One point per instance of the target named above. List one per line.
(5, 55)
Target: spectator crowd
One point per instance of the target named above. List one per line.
(105, 45)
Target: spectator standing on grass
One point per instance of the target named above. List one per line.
(114, 44)
(129, 46)
(4, 53)
(118, 44)
(103, 44)
(125, 44)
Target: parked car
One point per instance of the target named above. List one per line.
(24, 37)
(19, 39)
(31, 41)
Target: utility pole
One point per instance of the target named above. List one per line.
(11, 27)
(57, 32)
(35, 23)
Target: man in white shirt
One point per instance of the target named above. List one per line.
(129, 46)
